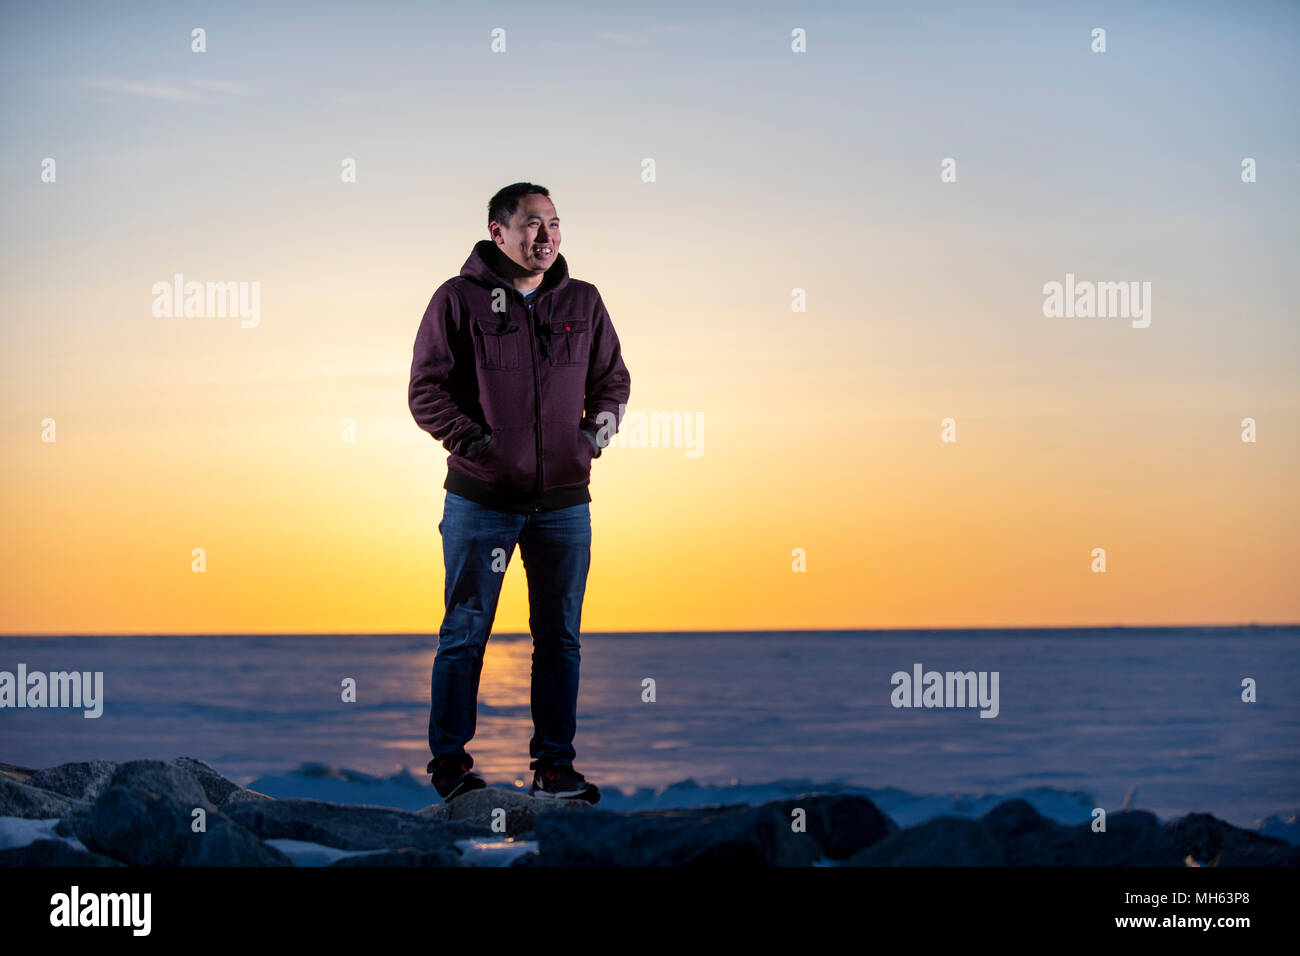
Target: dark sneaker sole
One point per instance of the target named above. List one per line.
(590, 793)
(465, 785)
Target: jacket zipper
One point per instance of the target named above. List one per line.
(537, 386)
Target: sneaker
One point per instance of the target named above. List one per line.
(452, 776)
(562, 782)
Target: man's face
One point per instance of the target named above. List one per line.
(532, 240)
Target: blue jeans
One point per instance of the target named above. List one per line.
(556, 551)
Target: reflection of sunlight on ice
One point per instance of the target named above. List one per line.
(507, 673)
(494, 852)
(500, 746)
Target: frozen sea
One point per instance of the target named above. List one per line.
(1086, 718)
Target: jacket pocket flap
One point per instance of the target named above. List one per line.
(569, 326)
(493, 324)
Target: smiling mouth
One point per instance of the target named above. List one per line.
(543, 252)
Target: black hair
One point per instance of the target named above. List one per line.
(502, 206)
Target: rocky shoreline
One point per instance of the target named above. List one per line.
(183, 813)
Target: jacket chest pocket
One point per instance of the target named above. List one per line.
(498, 347)
(570, 341)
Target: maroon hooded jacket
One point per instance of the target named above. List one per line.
(516, 389)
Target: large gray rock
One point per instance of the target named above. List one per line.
(86, 780)
(32, 803)
(842, 824)
(11, 771)
(52, 853)
(144, 818)
(1212, 842)
(348, 827)
(943, 841)
(1015, 834)
(707, 836)
(478, 808)
(216, 787)
(82, 781)
(1022, 833)
(1131, 838)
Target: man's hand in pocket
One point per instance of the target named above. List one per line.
(591, 437)
(475, 448)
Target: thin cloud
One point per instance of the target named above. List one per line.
(154, 91)
(168, 89)
(223, 86)
(641, 38)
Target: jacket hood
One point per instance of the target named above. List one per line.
(481, 266)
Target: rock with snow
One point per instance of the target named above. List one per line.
(348, 827)
(141, 813)
(32, 803)
(145, 817)
(81, 781)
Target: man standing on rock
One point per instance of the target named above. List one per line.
(518, 372)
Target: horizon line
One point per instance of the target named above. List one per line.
(719, 631)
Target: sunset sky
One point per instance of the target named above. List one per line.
(775, 171)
